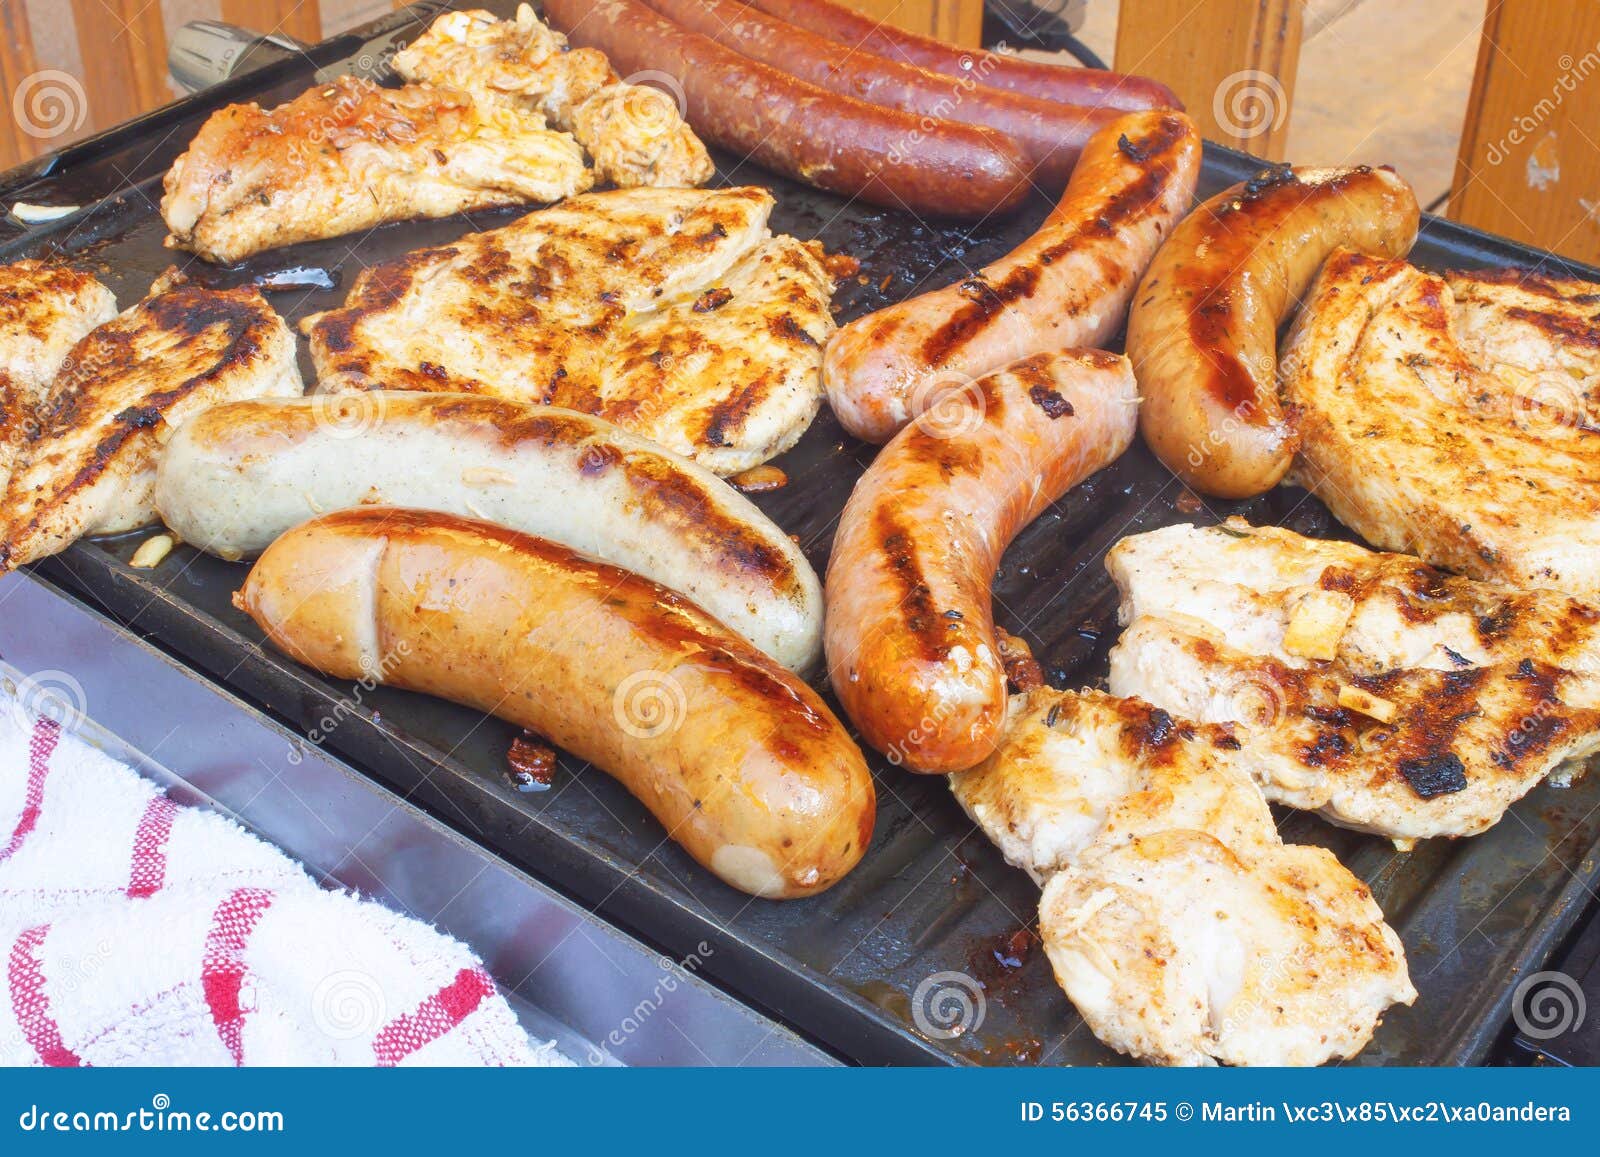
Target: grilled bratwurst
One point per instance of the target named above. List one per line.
(910, 627)
(1203, 331)
(739, 760)
(1066, 286)
(237, 476)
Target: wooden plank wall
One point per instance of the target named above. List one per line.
(301, 19)
(958, 21)
(124, 46)
(1231, 62)
(1529, 162)
(17, 65)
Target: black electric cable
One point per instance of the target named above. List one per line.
(1019, 24)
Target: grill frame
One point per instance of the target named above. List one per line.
(932, 895)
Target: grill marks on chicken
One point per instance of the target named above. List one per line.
(92, 468)
(1388, 695)
(635, 134)
(1178, 923)
(673, 313)
(349, 155)
(1454, 417)
(44, 311)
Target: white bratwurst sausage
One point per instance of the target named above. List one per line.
(237, 476)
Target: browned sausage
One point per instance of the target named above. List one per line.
(1051, 134)
(1203, 332)
(738, 758)
(886, 156)
(1089, 87)
(909, 628)
(1066, 286)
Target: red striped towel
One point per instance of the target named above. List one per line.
(136, 931)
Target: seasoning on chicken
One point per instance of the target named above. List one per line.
(44, 310)
(1181, 927)
(349, 155)
(634, 132)
(673, 313)
(92, 469)
(1454, 417)
(1389, 696)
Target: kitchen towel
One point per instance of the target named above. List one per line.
(136, 931)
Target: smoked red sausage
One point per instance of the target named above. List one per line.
(1051, 134)
(1090, 87)
(886, 156)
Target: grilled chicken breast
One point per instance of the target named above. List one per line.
(1075, 768)
(635, 134)
(1454, 418)
(1388, 695)
(670, 312)
(92, 468)
(44, 310)
(1178, 923)
(349, 155)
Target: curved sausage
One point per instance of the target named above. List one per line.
(888, 157)
(1203, 332)
(237, 476)
(738, 759)
(1066, 286)
(910, 631)
(1051, 135)
(1089, 87)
